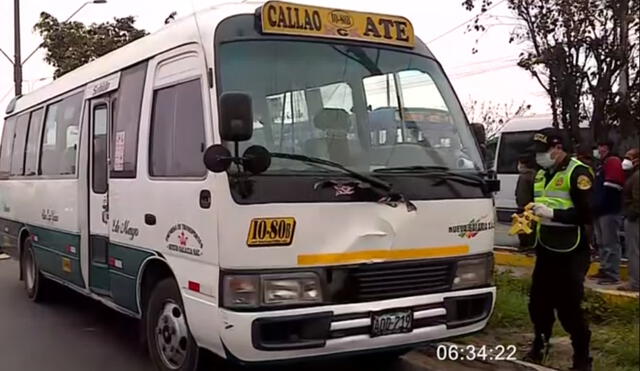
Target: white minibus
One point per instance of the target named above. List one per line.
(220, 180)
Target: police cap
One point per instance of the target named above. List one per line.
(545, 139)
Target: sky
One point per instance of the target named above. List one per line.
(490, 74)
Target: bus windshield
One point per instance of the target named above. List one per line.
(365, 108)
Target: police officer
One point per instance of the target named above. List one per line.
(562, 192)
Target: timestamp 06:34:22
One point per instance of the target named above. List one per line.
(453, 352)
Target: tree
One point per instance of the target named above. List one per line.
(494, 116)
(70, 45)
(579, 51)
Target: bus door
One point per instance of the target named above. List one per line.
(100, 128)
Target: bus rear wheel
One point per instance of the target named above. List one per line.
(34, 283)
(170, 344)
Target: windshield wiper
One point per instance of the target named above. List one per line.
(375, 182)
(436, 171)
(411, 169)
(389, 197)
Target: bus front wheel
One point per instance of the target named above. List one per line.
(170, 344)
(33, 281)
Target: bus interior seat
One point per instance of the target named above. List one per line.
(335, 122)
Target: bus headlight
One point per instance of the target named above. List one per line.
(241, 291)
(291, 289)
(255, 290)
(473, 272)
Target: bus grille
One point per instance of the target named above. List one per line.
(393, 280)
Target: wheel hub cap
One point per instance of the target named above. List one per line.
(171, 336)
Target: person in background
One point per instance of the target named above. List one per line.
(524, 192)
(631, 211)
(586, 157)
(607, 205)
(562, 199)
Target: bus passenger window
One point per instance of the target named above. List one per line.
(99, 162)
(126, 120)
(59, 142)
(177, 131)
(33, 140)
(19, 142)
(7, 146)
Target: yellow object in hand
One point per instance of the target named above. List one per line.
(523, 223)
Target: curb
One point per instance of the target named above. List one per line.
(509, 258)
(512, 257)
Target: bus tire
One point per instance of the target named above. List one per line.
(169, 341)
(34, 282)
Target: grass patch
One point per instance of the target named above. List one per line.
(615, 327)
(512, 300)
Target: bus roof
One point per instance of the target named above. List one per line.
(532, 123)
(181, 32)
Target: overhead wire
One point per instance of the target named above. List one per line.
(465, 22)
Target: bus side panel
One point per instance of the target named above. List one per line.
(58, 253)
(184, 231)
(124, 276)
(48, 207)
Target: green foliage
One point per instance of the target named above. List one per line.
(70, 45)
(511, 308)
(615, 346)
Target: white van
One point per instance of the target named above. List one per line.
(514, 140)
(219, 180)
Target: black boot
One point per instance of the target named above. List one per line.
(539, 350)
(582, 364)
(582, 360)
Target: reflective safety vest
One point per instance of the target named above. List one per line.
(556, 196)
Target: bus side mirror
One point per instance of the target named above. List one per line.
(217, 158)
(481, 137)
(479, 133)
(236, 117)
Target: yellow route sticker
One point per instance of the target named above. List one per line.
(584, 182)
(265, 232)
(66, 265)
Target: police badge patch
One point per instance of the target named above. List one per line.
(584, 182)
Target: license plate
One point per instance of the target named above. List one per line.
(391, 322)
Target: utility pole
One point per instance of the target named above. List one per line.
(17, 58)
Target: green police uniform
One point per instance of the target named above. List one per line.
(562, 252)
(556, 195)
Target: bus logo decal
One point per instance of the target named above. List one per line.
(123, 227)
(473, 228)
(49, 215)
(184, 239)
(341, 19)
(265, 232)
(344, 189)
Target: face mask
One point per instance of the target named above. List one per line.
(627, 164)
(596, 154)
(544, 159)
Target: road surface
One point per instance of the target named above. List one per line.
(70, 332)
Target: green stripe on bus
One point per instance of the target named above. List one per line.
(52, 247)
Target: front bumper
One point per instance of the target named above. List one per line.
(335, 329)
